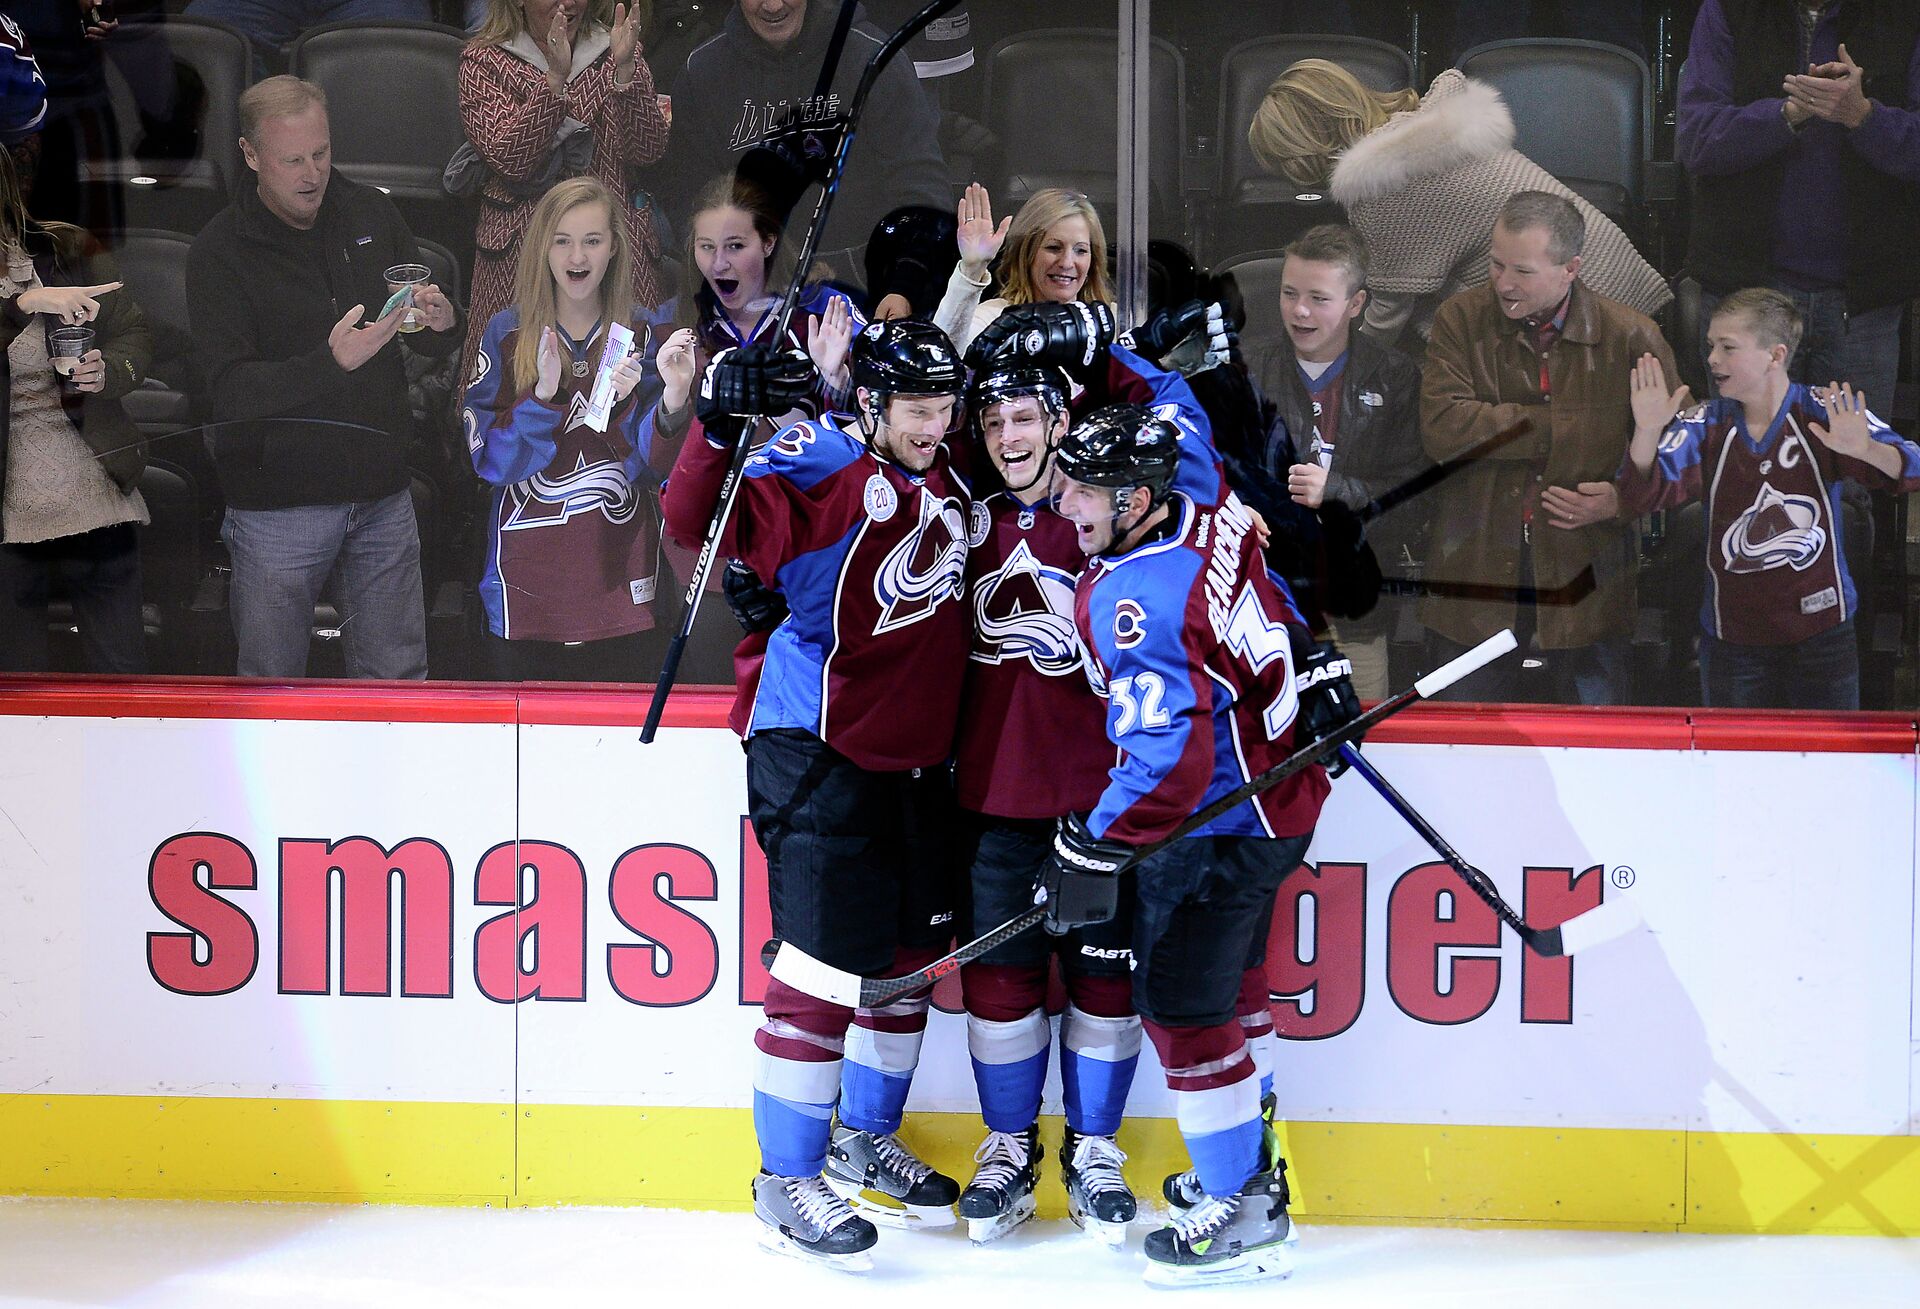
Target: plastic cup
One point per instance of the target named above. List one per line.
(413, 318)
(66, 345)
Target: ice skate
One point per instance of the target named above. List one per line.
(1244, 1237)
(1098, 1198)
(804, 1219)
(1000, 1196)
(882, 1179)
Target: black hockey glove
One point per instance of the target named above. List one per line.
(1190, 339)
(1081, 883)
(1071, 335)
(757, 606)
(1323, 678)
(751, 381)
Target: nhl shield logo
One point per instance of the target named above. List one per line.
(879, 498)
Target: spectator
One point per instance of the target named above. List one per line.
(309, 402)
(547, 93)
(1059, 255)
(1800, 124)
(80, 129)
(1777, 620)
(573, 555)
(1351, 409)
(1422, 180)
(1539, 514)
(271, 25)
(756, 80)
(23, 101)
(70, 459)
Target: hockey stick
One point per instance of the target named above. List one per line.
(730, 486)
(794, 967)
(1593, 927)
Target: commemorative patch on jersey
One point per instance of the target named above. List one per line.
(879, 498)
(979, 524)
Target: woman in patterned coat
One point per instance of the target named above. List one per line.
(536, 74)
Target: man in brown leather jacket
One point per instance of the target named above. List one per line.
(1530, 535)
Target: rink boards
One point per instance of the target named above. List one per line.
(481, 946)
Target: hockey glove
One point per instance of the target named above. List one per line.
(1071, 335)
(1080, 884)
(751, 381)
(757, 606)
(1323, 678)
(1191, 339)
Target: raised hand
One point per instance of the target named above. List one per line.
(626, 41)
(1653, 408)
(547, 366)
(675, 362)
(557, 46)
(1846, 432)
(352, 344)
(978, 238)
(829, 336)
(72, 305)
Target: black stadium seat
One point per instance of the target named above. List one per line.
(1582, 110)
(180, 159)
(1252, 207)
(1052, 102)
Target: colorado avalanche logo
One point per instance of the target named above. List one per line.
(1776, 531)
(926, 569)
(546, 501)
(1024, 610)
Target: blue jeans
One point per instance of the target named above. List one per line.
(101, 572)
(1863, 349)
(283, 557)
(271, 25)
(1821, 672)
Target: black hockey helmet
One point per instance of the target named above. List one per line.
(1007, 378)
(907, 356)
(1122, 446)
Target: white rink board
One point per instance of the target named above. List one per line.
(1774, 989)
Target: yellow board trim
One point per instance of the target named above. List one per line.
(494, 1154)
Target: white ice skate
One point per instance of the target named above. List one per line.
(805, 1220)
(883, 1180)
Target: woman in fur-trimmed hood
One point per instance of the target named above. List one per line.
(1422, 178)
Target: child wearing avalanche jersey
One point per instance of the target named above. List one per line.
(1767, 459)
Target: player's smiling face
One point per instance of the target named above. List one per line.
(1095, 512)
(731, 256)
(913, 428)
(1016, 436)
(582, 245)
(1736, 360)
(1318, 307)
(1062, 259)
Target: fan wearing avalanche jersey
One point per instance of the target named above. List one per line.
(1195, 645)
(860, 523)
(1767, 458)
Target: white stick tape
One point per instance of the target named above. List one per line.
(1471, 662)
(800, 970)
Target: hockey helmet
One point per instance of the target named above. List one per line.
(1008, 378)
(1122, 446)
(906, 356)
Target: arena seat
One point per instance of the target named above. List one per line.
(1252, 208)
(1582, 110)
(1051, 100)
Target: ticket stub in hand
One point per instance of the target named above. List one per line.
(600, 403)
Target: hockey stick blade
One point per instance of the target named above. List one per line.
(795, 968)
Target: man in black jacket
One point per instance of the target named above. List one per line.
(309, 402)
(757, 77)
(1352, 414)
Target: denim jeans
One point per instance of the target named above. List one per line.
(271, 25)
(283, 557)
(1821, 672)
(1863, 349)
(100, 571)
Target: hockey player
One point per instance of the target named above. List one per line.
(1032, 747)
(861, 524)
(1198, 649)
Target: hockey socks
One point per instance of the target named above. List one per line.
(1097, 1061)
(796, 1079)
(1210, 1070)
(1009, 1068)
(883, 1049)
(1255, 1010)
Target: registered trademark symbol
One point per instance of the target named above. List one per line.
(1623, 877)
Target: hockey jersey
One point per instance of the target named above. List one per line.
(1190, 635)
(1776, 564)
(872, 562)
(573, 533)
(1032, 742)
